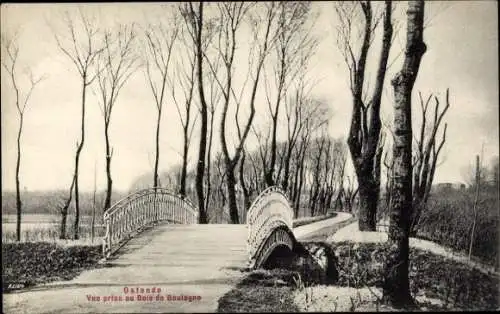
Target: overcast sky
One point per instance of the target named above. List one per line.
(462, 55)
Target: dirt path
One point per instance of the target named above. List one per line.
(306, 230)
(351, 233)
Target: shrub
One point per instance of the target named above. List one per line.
(448, 218)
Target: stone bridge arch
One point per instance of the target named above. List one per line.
(140, 209)
(270, 224)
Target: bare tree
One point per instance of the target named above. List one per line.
(231, 16)
(185, 80)
(79, 45)
(115, 66)
(92, 223)
(426, 156)
(350, 191)
(396, 286)
(365, 122)
(255, 172)
(389, 168)
(10, 51)
(244, 186)
(339, 194)
(297, 117)
(315, 163)
(195, 20)
(215, 97)
(476, 201)
(314, 115)
(294, 46)
(263, 137)
(160, 39)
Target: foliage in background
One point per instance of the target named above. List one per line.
(448, 218)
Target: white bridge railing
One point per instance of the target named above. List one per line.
(268, 212)
(140, 209)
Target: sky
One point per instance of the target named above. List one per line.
(462, 55)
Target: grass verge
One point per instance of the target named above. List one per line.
(31, 263)
(261, 291)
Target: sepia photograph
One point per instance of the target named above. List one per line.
(274, 156)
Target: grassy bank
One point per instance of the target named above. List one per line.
(261, 291)
(455, 285)
(28, 264)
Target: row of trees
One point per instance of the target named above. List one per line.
(202, 83)
(314, 181)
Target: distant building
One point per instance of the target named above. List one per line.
(447, 186)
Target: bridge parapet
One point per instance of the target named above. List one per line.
(270, 223)
(140, 209)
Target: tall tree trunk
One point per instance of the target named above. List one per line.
(64, 210)
(368, 200)
(231, 192)
(18, 184)
(182, 190)
(474, 206)
(396, 286)
(246, 193)
(209, 160)
(301, 181)
(200, 170)
(109, 154)
(92, 223)
(286, 175)
(272, 163)
(364, 133)
(157, 150)
(64, 218)
(77, 162)
(295, 189)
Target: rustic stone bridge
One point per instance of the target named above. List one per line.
(158, 259)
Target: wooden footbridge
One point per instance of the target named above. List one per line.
(269, 221)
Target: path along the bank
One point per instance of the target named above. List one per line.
(351, 233)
